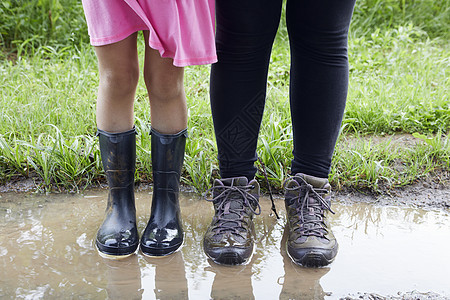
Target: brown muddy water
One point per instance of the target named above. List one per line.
(47, 251)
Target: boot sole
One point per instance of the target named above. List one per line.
(312, 258)
(230, 256)
(114, 256)
(159, 252)
(229, 259)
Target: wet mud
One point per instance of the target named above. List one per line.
(426, 195)
(386, 252)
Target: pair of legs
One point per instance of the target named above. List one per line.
(245, 33)
(318, 79)
(119, 74)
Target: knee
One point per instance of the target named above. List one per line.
(324, 44)
(330, 49)
(165, 86)
(123, 81)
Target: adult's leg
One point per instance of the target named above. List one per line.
(119, 73)
(165, 88)
(245, 33)
(319, 79)
(244, 38)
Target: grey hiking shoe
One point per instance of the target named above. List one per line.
(230, 237)
(310, 240)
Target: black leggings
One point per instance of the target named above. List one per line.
(246, 29)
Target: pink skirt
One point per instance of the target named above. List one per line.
(179, 29)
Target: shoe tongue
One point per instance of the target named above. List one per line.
(236, 200)
(228, 182)
(232, 205)
(312, 203)
(316, 182)
(235, 181)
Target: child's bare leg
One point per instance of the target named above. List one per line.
(118, 64)
(119, 74)
(163, 234)
(165, 88)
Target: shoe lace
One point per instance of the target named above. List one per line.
(274, 209)
(310, 213)
(224, 211)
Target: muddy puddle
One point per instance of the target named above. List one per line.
(47, 251)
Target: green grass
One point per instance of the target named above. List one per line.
(407, 80)
(399, 80)
(29, 24)
(431, 16)
(363, 164)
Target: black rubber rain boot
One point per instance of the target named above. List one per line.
(164, 233)
(118, 237)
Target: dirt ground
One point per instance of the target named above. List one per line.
(422, 195)
(425, 194)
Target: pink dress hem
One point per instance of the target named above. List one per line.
(182, 30)
(103, 41)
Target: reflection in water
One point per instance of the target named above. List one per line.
(123, 278)
(169, 276)
(231, 282)
(299, 282)
(47, 251)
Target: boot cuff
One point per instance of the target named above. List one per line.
(115, 134)
(183, 132)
